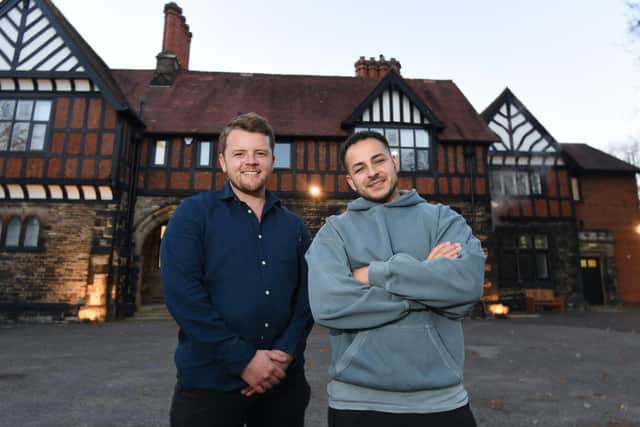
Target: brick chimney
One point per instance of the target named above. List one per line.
(375, 68)
(176, 43)
(177, 37)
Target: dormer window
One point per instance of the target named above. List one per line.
(409, 145)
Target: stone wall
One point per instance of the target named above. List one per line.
(74, 251)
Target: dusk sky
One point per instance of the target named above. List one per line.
(573, 63)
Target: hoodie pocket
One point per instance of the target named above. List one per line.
(398, 358)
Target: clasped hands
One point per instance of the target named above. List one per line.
(443, 250)
(266, 369)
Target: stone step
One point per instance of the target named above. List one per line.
(152, 312)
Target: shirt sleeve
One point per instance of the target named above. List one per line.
(452, 286)
(337, 299)
(293, 339)
(181, 259)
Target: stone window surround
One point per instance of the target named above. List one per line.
(23, 230)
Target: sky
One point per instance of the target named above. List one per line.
(572, 63)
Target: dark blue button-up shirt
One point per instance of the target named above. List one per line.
(234, 285)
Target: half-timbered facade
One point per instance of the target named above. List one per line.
(93, 162)
(545, 234)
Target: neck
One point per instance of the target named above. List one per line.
(255, 199)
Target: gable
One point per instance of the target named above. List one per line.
(41, 51)
(30, 42)
(517, 129)
(392, 101)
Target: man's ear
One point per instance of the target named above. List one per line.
(350, 182)
(223, 165)
(396, 165)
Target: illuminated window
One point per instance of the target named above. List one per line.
(23, 124)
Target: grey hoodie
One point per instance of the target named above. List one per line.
(400, 333)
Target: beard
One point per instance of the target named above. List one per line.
(247, 184)
(385, 197)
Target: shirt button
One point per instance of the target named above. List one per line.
(266, 325)
(259, 236)
(263, 262)
(248, 210)
(262, 337)
(267, 292)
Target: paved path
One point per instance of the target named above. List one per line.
(574, 369)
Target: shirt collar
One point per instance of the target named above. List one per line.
(226, 193)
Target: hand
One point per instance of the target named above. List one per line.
(361, 274)
(262, 373)
(445, 250)
(280, 359)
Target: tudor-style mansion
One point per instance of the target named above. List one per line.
(93, 161)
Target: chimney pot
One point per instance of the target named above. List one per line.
(176, 37)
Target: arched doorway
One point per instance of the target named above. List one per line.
(151, 283)
(147, 236)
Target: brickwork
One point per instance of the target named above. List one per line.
(611, 203)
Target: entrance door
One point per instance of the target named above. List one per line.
(151, 291)
(592, 280)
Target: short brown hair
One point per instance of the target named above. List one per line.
(250, 122)
(357, 137)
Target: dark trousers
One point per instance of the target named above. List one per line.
(461, 417)
(282, 406)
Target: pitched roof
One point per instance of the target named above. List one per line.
(296, 105)
(589, 159)
(97, 66)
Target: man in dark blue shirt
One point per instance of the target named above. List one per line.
(235, 280)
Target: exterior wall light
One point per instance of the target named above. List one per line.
(314, 191)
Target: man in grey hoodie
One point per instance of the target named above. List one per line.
(392, 278)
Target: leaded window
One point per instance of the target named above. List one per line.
(12, 238)
(515, 183)
(524, 257)
(23, 124)
(31, 233)
(409, 145)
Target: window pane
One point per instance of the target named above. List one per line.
(536, 184)
(407, 160)
(31, 233)
(423, 159)
(522, 181)
(540, 241)
(406, 137)
(160, 152)
(43, 111)
(508, 269)
(392, 137)
(13, 233)
(283, 156)
(525, 262)
(6, 109)
(422, 138)
(508, 242)
(205, 154)
(359, 129)
(19, 137)
(575, 189)
(5, 130)
(380, 131)
(24, 110)
(495, 181)
(508, 180)
(542, 268)
(524, 241)
(37, 137)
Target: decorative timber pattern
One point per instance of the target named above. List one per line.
(29, 42)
